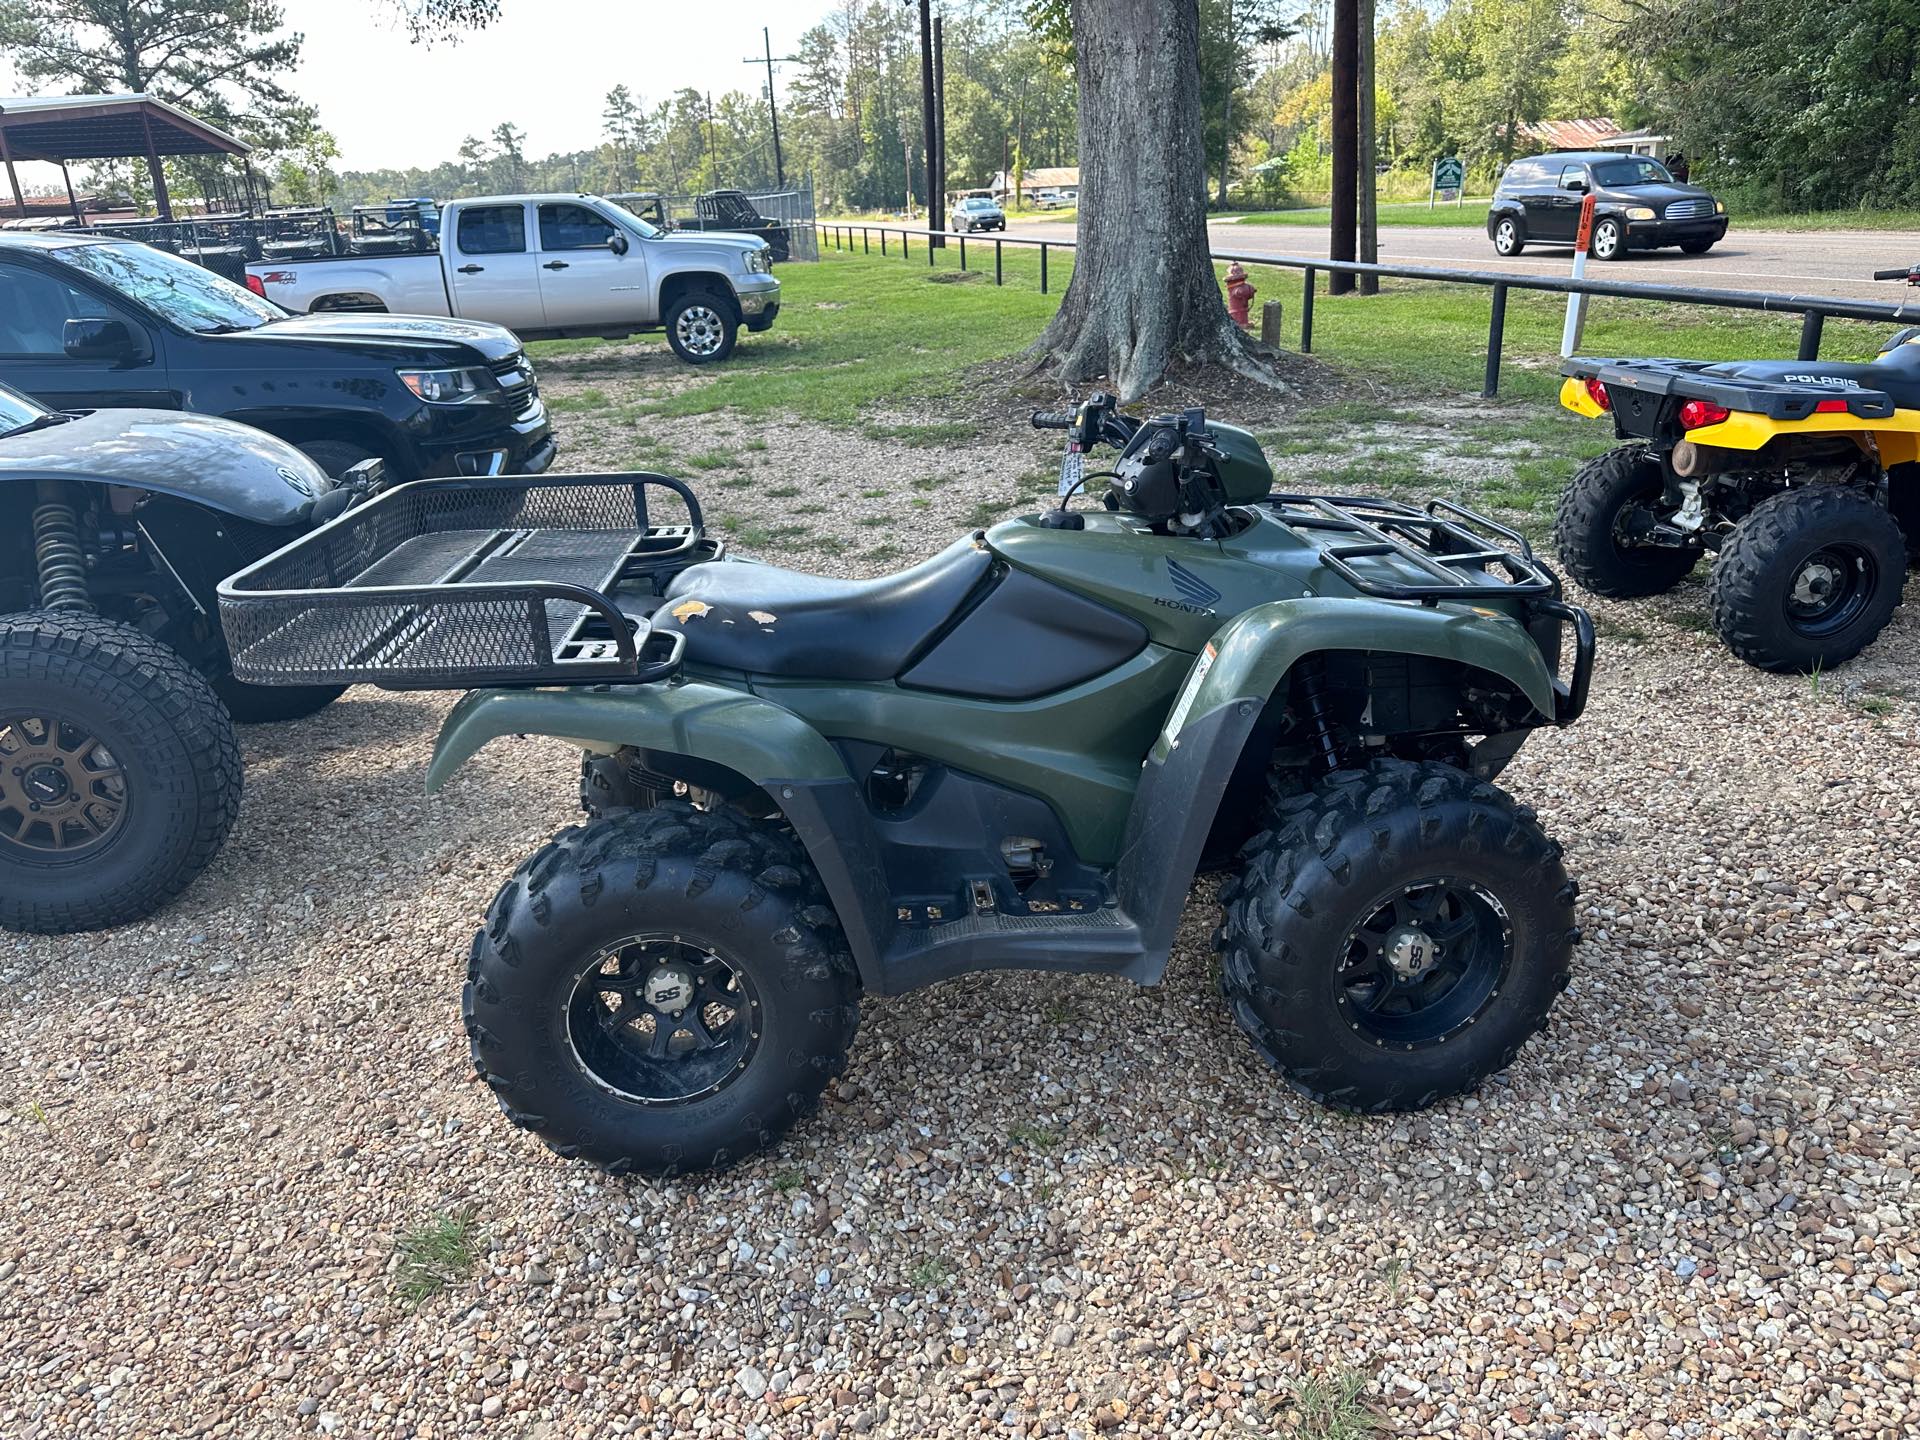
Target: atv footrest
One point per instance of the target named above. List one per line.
(450, 584)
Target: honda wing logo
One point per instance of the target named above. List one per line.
(1197, 597)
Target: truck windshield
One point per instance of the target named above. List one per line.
(176, 290)
(651, 232)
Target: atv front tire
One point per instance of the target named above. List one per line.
(662, 992)
(119, 773)
(1587, 528)
(1396, 935)
(1809, 579)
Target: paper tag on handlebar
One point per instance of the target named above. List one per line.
(1072, 466)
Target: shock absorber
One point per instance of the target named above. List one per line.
(57, 555)
(1313, 700)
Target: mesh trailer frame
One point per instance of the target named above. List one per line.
(453, 584)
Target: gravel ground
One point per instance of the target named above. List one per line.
(1035, 1206)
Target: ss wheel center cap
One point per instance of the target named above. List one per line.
(669, 989)
(1411, 952)
(1816, 583)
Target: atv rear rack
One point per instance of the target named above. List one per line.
(1776, 399)
(1465, 555)
(451, 584)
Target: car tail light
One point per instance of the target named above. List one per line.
(1696, 413)
(253, 284)
(1832, 407)
(1599, 394)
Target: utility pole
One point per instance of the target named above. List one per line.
(928, 119)
(1346, 135)
(713, 155)
(939, 187)
(1369, 171)
(773, 110)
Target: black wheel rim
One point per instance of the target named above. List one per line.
(1830, 588)
(1424, 962)
(63, 793)
(660, 1020)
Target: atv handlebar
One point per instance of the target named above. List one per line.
(1051, 420)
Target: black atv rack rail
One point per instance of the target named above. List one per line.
(1447, 542)
(450, 584)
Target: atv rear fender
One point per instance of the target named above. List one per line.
(1244, 666)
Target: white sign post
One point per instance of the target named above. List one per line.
(1577, 304)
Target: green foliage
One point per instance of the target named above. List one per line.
(435, 1255)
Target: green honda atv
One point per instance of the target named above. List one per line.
(1017, 755)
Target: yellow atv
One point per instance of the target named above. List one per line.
(1799, 474)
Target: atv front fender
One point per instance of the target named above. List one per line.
(1249, 656)
(760, 740)
(1229, 685)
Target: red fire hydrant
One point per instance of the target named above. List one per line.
(1240, 294)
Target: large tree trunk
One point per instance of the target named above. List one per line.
(1143, 291)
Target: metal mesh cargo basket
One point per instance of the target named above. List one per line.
(449, 584)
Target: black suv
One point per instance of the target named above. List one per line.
(1637, 205)
(89, 324)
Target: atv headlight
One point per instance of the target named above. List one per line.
(472, 385)
(1640, 212)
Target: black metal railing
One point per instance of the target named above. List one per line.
(1814, 310)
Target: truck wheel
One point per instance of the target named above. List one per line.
(1589, 527)
(1808, 579)
(269, 704)
(1396, 935)
(701, 327)
(1507, 239)
(662, 992)
(336, 457)
(119, 773)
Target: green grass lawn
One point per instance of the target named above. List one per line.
(1470, 216)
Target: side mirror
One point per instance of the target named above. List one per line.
(617, 243)
(99, 339)
(1578, 187)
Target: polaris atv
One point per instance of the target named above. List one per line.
(119, 771)
(1800, 475)
(1017, 755)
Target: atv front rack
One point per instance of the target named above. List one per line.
(452, 584)
(1462, 554)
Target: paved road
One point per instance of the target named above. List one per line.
(1826, 262)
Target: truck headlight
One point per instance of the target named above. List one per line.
(1640, 212)
(1719, 207)
(472, 385)
(760, 261)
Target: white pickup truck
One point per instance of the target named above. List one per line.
(548, 266)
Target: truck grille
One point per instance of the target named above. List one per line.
(516, 378)
(1689, 210)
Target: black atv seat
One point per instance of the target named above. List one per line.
(738, 615)
(1897, 375)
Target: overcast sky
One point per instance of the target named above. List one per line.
(546, 65)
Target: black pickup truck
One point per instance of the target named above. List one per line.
(89, 323)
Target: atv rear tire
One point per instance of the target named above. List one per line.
(719, 914)
(121, 774)
(1396, 935)
(1809, 579)
(269, 704)
(1586, 528)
